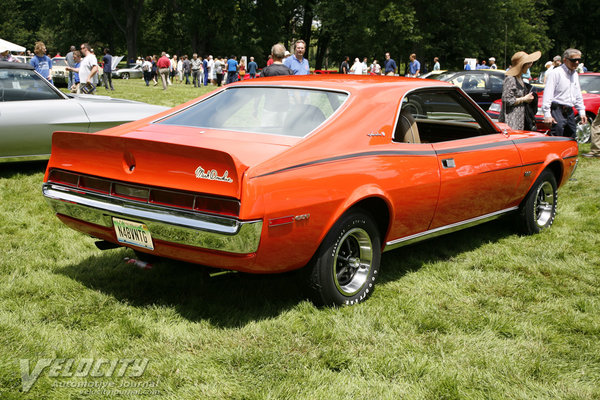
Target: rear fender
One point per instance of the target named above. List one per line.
(359, 195)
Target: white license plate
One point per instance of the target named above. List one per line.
(134, 233)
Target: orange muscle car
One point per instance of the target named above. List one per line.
(327, 172)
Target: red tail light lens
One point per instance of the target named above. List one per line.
(143, 194)
(169, 198)
(217, 205)
(63, 177)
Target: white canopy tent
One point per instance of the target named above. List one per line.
(6, 45)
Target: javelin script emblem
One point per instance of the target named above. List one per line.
(212, 175)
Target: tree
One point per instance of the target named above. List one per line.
(131, 10)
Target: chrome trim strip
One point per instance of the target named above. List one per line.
(168, 224)
(442, 230)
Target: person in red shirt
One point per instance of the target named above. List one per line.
(164, 65)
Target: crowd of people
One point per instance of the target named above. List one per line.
(202, 71)
(561, 95)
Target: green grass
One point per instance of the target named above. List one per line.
(136, 89)
(479, 314)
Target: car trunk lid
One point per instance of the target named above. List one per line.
(189, 159)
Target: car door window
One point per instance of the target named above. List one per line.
(442, 115)
(22, 85)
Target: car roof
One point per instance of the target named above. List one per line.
(344, 82)
(14, 65)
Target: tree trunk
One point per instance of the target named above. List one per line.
(133, 13)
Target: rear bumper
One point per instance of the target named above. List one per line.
(165, 224)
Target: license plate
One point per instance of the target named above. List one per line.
(134, 233)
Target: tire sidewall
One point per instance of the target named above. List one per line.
(323, 272)
(530, 225)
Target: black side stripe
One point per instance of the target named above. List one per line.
(545, 139)
(423, 153)
(355, 155)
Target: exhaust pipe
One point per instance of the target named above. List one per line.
(104, 245)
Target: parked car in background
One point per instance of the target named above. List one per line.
(429, 74)
(32, 108)
(322, 172)
(482, 85)
(126, 73)
(590, 90)
(60, 75)
(23, 59)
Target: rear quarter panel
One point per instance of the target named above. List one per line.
(539, 152)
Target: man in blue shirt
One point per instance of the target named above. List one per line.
(252, 67)
(467, 66)
(296, 62)
(107, 70)
(232, 68)
(389, 65)
(41, 62)
(414, 66)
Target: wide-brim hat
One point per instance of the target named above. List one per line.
(520, 58)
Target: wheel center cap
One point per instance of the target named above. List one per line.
(354, 262)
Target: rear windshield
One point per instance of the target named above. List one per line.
(273, 110)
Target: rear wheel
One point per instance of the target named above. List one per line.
(347, 262)
(539, 207)
(125, 75)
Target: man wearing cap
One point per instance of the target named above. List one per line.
(163, 64)
(493, 63)
(561, 94)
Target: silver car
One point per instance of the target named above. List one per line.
(126, 73)
(31, 109)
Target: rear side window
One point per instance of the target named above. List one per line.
(272, 110)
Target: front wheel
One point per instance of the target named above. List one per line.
(347, 262)
(538, 210)
(584, 131)
(125, 75)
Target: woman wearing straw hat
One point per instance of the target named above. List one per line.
(517, 95)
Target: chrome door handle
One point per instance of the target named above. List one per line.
(448, 163)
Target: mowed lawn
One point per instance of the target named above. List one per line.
(479, 314)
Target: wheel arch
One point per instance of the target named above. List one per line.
(557, 169)
(374, 201)
(379, 209)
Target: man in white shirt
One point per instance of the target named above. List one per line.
(211, 69)
(88, 69)
(561, 94)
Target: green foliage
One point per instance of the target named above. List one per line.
(448, 30)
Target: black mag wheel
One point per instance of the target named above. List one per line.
(347, 262)
(125, 75)
(538, 210)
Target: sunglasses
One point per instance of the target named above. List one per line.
(574, 60)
